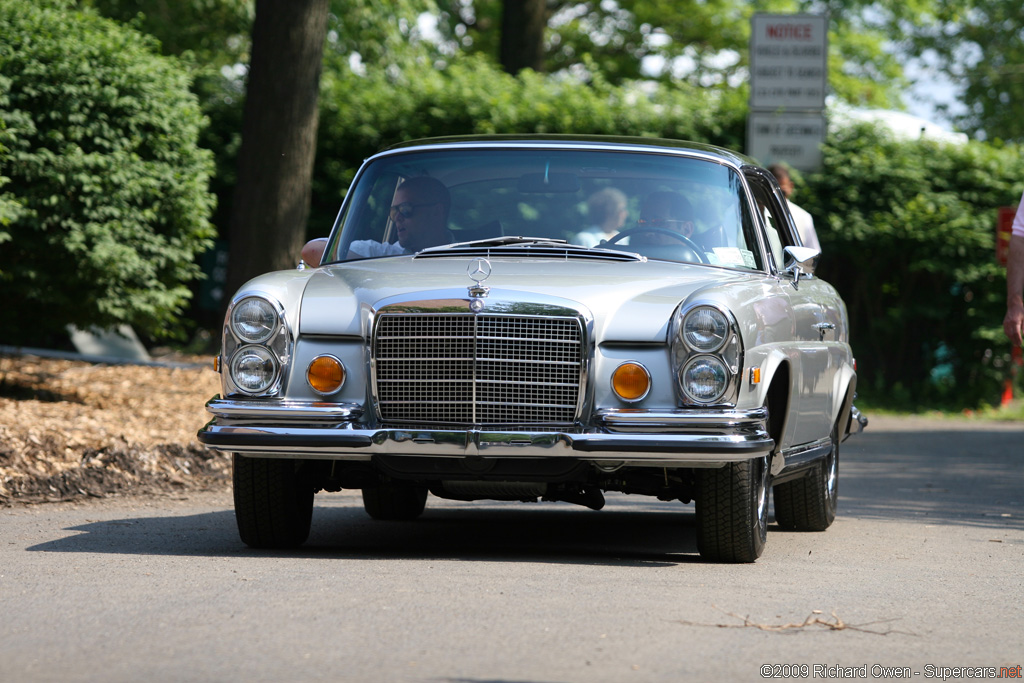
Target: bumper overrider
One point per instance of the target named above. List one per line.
(290, 429)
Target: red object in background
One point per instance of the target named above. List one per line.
(1018, 359)
(1004, 223)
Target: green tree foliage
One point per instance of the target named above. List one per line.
(104, 161)
(979, 45)
(700, 42)
(211, 33)
(10, 208)
(907, 232)
(361, 114)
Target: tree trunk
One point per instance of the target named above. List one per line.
(275, 163)
(522, 35)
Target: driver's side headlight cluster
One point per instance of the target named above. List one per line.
(257, 346)
(707, 354)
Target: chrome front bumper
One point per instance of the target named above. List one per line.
(334, 431)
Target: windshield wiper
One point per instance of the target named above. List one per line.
(502, 241)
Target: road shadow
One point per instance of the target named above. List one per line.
(935, 473)
(633, 535)
(932, 474)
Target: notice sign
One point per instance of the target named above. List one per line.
(788, 61)
(792, 137)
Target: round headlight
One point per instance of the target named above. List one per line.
(325, 375)
(631, 381)
(705, 379)
(253, 369)
(705, 329)
(254, 320)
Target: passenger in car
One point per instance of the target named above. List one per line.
(419, 212)
(606, 210)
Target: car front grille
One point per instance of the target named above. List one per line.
(488, 370)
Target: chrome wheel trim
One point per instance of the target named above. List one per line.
(832, 472)
(763, 487)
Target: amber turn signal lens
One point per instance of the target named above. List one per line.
(631, 381)
(325, 374)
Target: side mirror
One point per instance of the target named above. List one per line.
(313, 251)
(800, 263)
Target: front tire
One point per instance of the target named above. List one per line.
(809, 503)
(732, 511)
(273, 502)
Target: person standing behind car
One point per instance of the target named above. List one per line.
(804, 221)
(1013, 323)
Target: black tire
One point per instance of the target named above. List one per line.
(395, 501)
(732, 511)
(809, 503)
(273, 502)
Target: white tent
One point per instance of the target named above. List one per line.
(903, 125)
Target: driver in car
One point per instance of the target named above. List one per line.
(663, 211)
(419, 212)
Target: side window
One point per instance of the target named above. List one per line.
(776, 220)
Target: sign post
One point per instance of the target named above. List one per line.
(788, 80)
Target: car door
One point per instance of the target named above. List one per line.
(806, 300)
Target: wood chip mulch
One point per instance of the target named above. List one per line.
(71, 430)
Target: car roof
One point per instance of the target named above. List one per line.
(566, 141)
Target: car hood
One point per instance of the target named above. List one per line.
(627, 301)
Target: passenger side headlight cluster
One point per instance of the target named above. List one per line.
(257, 346)
(707, 354)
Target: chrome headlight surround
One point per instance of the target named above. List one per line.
(704, 379)
(254, 320)
(256, 338)
(707, 354)
(254, 369)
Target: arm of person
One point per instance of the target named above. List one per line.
(1013, 323)
(313, 251)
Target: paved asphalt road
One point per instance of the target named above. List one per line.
(924, 568)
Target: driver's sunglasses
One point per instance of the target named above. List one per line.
(407, 209)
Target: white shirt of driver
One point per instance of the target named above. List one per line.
(371, 248)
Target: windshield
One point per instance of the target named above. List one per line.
(660, 206)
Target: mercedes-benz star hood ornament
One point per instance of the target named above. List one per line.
(479, 270)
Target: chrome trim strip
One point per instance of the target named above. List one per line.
(799, 460)
(807, 454)
(623, 420)
(283, 409)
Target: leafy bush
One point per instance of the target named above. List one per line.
(907, 231)
(9, 207)
(104, 162)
